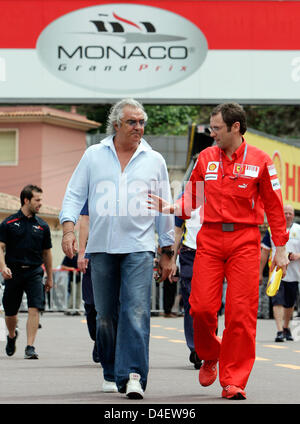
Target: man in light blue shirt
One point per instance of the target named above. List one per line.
(116, 177)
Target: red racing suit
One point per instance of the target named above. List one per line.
(235, 192)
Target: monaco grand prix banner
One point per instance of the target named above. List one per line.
(158, 51)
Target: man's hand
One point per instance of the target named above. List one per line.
(69, 244)
(294, 256)
(280, 260)
(6, 273)
(48, 283)
(82, 262)
(159, 204)
(172, 276)
(165, 267)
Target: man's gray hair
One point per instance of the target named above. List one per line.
(116, 113)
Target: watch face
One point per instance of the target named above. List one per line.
(168, 252)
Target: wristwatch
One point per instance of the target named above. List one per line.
(167, 251)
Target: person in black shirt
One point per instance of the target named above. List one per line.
(25, 238)
(74, 292)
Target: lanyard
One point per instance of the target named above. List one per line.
(233, 177)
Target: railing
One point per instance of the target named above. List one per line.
(67, 297)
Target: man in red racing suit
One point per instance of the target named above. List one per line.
(238, 182)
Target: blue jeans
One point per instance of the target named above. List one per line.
(122, 295)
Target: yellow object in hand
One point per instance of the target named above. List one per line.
(274, 282)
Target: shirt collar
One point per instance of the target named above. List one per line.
(142, 147)
(21, 215)
(239, 151)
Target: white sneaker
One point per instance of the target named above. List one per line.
(109, 387)
(133, 387)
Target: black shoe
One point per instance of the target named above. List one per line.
(287, 334)
(11, 344)
(279, 337)
(30, 353)
(194, 359)
(95, 354)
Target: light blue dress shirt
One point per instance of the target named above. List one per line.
(119, 219)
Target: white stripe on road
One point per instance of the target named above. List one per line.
(291, 366)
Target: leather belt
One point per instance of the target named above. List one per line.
(19, 266)
(187, 249)
(228, 226)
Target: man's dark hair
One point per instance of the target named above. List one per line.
(26, 193)
(231, 113)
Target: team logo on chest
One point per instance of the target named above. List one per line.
(250, 171)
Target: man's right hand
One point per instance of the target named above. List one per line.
(157, 203)
(6, 273)
(69, 244)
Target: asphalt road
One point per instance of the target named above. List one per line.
(65, 374)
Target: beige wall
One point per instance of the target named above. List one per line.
(62, 149)
(48, 155)
(13, 178)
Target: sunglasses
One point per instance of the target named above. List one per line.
(134, 123)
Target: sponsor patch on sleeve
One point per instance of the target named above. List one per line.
(272, 170)
(275, 184)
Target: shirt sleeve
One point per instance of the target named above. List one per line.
(47, 243)
(270, 193)
(3, 232)
(266, 241)
(193, 196)
(76, 192)
(179, 222)
(85, 209)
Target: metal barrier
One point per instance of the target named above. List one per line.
(66, 294)
(67, 298)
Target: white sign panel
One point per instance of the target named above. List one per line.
(122, 48)
(199, 52)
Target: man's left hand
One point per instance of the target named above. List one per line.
(48, 284)
(166, 267)
(280, 260)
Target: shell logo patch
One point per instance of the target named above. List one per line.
(212, 167)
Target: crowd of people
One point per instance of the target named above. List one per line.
(120, 194)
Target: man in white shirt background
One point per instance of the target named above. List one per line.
(284, 301)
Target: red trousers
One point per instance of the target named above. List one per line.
(236, 256)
